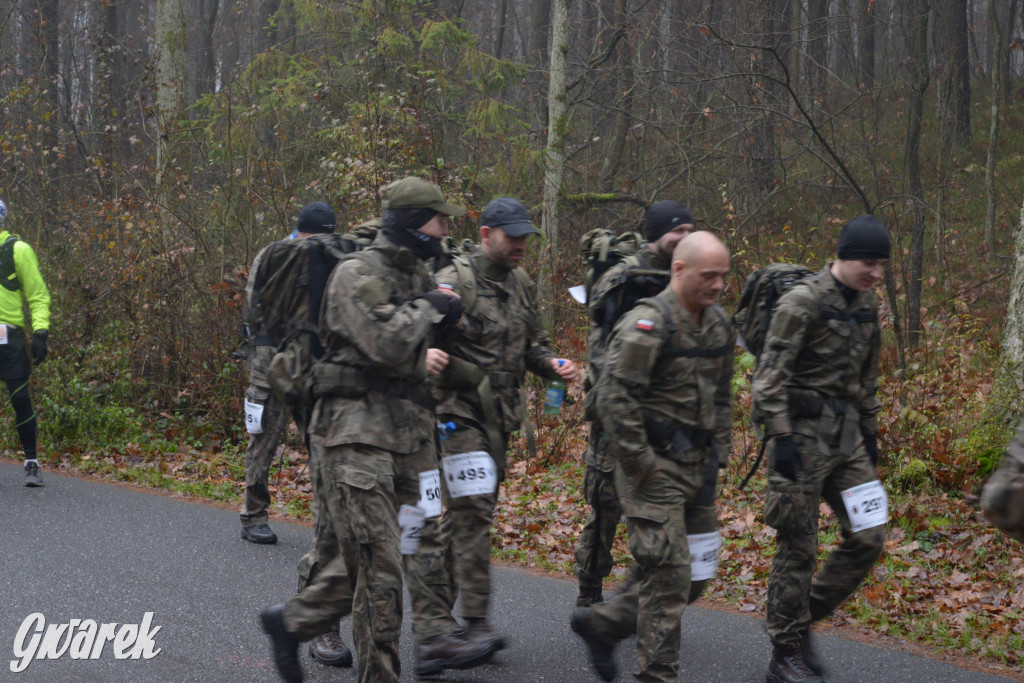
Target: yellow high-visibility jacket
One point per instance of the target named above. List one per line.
(33, 290)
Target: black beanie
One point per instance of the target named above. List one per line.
(316, 217)
(663, 216)
(864, 239)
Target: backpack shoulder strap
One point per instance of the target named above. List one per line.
(8, 272)
(467, 279)
(669, 351)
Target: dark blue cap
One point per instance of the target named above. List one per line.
(510, 215)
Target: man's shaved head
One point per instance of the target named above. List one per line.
(700, 263)
(696, 246)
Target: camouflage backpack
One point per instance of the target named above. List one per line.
(1002, 498)
(290, 288)
(601, 249)
(761, 292)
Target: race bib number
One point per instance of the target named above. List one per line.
(3, 334)
(410, 523)
(253, 417)
(867, 505)
(470, 474)
(430, 493)
(705, 550)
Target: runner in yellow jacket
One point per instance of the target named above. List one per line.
(20, 282)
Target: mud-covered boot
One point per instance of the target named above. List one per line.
(602, 651)
(810, 652)
(480, 630)
(330, 649)
(588, 596)
(283, 643)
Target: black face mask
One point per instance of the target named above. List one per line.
(402, 227)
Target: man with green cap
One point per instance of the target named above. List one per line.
(376, 417)
(815, 392)
(503, 337)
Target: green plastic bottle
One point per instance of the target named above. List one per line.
(555, 394)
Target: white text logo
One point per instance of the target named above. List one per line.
(81, 639)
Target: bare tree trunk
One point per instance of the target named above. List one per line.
(172, 65)
(866, 30)
(1005, 401)
(49, 75)
(558, 118)
(502, 18)
(541, 22)
(817, 49)
(993, 130)
(919, 85)
(625, 87)
(953, 65)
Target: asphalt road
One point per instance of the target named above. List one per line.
(79, 549)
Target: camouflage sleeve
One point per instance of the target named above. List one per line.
(870, 405)
(782, 345)
(723, 401)
(448, 277)
(539, 353)
(250, 312)
(361, 309)
(633, 351)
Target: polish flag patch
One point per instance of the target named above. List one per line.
(645, 325)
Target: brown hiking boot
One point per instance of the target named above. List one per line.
(330, 649)
(436, 654)
(479, 630)
(788, 666)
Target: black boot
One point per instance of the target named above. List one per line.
(284, 645)
(330, 649)
(601, 651)
(260, 534)
(479, 630)
(588, 596)
(788, 666)
(810, 653)
(436, 654)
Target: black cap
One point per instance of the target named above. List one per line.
(316, 217)
(510, 215)
(663, 216)
(864, 239)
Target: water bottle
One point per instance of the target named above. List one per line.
(445, 429)
(555, 395)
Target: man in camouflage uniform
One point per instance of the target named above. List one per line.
(314, 218)
(814, 392)
(664, 400)
(375, 416)
(503, 337)
(1002, 498)
(613, 294)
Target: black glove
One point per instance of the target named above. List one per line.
(787, 457)
(871, 446)
(38, 347)
(450, 306)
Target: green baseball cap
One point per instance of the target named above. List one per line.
(417, 193)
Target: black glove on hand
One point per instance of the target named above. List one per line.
(871, 445)
(38, 347)
(450, 306)
(787, 457)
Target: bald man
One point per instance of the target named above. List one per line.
(664, 398)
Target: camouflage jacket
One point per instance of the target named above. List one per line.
(669, 369)
(818, 346)
(372, 324)
(605, 287)
(259, 354)
(503, 335)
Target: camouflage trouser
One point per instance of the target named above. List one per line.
(361, 489)
(594, 550)
(324, 547)
(259, 456)
(468, 521)
(794, 601)
(674, 499)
